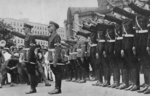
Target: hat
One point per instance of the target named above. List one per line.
(28, 26)
(54, 23)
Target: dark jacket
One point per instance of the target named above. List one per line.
(139, 10)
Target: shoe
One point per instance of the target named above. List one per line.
(135, 88)
(147, 91)
(74, 80)
(12, 85)
(105, 85)
(88, 79)
(82, 81)
(55, 91)
(47, 84)
(78, 81)
(0, 85)
(114, 85)
(119, 86)
(68, 80)
(143, 90)
(96, 84)
(123, 86)
(30, 92)
(93, 79)
(100, 84)
(130, 87)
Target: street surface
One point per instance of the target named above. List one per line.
(68, 89)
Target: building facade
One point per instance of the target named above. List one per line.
(38, 29)
(62, 32)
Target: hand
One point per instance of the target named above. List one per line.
(97, 55)
(148, 50)
(122, 53)
(134, 50)
(104, 54)
(114, 52)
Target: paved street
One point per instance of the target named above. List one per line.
(68, 89)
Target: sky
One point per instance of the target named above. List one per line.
(41, 11)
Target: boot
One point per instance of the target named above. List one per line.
(73, 80)
(105, 84)
(143, 90)
(68, 80)
(55, 91)
(114, 85)
(147, 91)
(119, 86)
(47, 83)
(82, 81)
(123, 86)
(135, 88)
(96, 84)
(130, 87)
(33, 90)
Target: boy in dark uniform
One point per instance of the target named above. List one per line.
(28, 39)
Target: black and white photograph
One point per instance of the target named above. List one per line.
(74, 47)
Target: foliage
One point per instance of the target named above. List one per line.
(5, 33)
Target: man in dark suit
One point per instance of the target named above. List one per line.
(54, 43)
(30, 45)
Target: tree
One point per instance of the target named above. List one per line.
(5, 33)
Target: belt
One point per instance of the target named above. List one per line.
(128, 35)
(74, 52)
(119, 38)
(141, 31)
(111, 40)
(70, 53)
(101, 40)
(93, 45)
(57, 44)
(32, 63)
(51, 50)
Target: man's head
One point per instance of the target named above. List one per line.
(52, 27)
(27, 29)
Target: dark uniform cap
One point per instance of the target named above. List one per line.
(54, 23)
(28, 26)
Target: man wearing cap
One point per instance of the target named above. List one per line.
(29, 40)
(30, 62)
(54, 41)
(142, 41)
